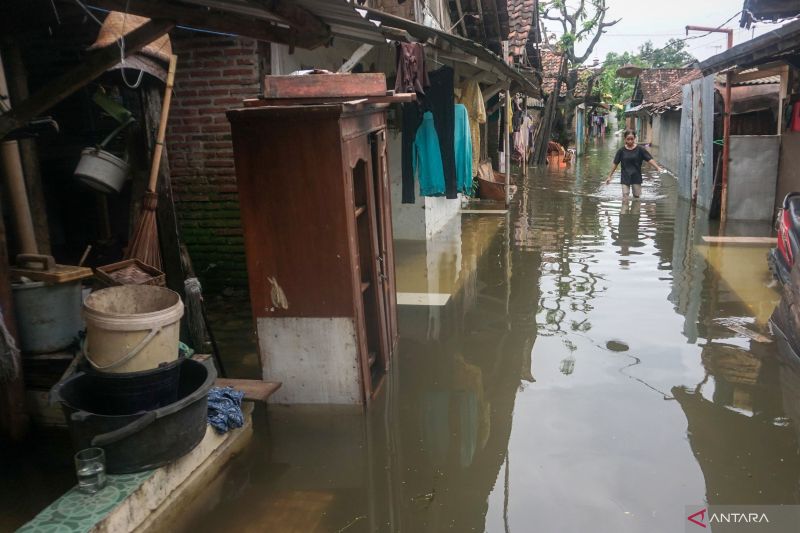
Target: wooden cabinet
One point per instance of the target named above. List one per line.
(315, 207)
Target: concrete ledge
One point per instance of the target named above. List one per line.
(148, 500)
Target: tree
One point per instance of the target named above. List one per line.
(584, 23)
(616, 90)
(671, 55)
(613, 89)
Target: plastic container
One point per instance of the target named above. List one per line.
(136, 440)
(118, 393)
(48, 315)
(132, 328)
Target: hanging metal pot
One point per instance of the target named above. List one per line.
(102, 170)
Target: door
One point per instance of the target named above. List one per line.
(382, 188)
(374, 352)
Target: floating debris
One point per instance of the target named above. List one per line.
(617, 346)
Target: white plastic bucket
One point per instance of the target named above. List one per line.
(132, 327)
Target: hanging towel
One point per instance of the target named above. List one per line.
(463, 149)
(428, 158)
(472, 98)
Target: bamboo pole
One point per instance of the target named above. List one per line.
(15, 181)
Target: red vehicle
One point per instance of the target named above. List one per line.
(783, 256)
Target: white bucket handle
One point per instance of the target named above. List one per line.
(135, 350)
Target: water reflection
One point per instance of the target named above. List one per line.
(515, 406)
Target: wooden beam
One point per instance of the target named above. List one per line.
(461, 19)
(758, 74)
(95, 64)
(396, 34)
(461, 58)
(216, 19)
(357, 56)
(496, 21)
(712, 239)
(301, 19)
(494, 89)
(253, 389)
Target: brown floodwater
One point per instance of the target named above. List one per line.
(597, 367)
(594, 369)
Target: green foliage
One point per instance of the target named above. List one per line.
(615, 91)
(567, 41)
(672, 55)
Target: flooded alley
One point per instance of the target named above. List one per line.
(585, 365)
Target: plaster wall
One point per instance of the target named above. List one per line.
(666, 139)
(427, 216)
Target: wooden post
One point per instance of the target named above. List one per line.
(507, 129)
(726, 135)
(17, 81)
(11, 166)
(169, 234)
(13, 415)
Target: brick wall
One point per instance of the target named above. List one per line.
(214, 73)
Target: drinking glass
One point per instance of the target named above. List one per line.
(90, 465)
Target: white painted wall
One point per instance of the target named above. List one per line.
(408, 220)
(329, 58)
(427, 215)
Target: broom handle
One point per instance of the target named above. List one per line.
(162, 126)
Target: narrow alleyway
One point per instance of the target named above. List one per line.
(583, 376)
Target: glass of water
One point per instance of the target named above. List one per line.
(90, 465)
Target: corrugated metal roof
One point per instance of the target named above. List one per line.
(764, 48)
(760, 81)
(347, 19)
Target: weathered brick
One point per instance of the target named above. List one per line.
(216, 73)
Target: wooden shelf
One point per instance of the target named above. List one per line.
(364, 286)
(361, 210)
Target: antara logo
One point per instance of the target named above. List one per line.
(699, 518)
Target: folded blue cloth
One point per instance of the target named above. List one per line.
(225, 409)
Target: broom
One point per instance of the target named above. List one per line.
(144, 242)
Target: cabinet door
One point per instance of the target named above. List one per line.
(372, 313)
(383, 195)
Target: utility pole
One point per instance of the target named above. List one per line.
(726, 127)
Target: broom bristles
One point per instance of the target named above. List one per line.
(144, 244)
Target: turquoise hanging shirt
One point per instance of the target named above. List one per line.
(428, 158)
(463, 148)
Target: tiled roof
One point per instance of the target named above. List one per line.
(520, 20)
(551, 62)
(662, 88)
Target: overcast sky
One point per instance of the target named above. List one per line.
(661, 20)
